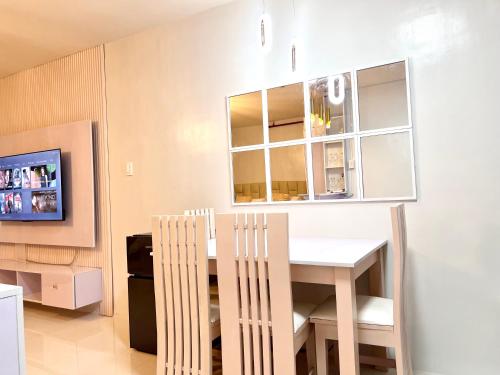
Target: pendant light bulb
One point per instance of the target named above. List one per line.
(296, 55)
(336, 89)
(265, 32)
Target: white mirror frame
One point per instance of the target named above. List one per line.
(357, 135)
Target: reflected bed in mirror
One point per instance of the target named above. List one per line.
(249, 172)
(288, 173)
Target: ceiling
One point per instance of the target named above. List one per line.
(33, 32)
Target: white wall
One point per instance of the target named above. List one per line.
(166, 90)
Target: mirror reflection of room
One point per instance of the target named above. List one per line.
(246, 119)
(249, 176)
(286, 112)
(387, 166)
(274, 121)
(334, 169)
(383, 101)
(331, 105)
(288, 173)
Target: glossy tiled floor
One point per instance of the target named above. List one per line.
(68, 343)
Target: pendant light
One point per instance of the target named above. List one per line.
(294, 47)
(265, 30)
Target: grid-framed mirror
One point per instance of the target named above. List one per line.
(342, 137)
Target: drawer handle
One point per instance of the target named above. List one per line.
(55, 286)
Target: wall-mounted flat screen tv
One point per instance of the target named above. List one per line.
(31, 187)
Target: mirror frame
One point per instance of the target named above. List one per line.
(308, 140)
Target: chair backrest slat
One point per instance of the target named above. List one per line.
(169, 294)
(280, 290)
(185, 306)
(254, 298)
(176, 288)
(203, 295)
(161, 313)
(193, 295)
(245, 310)
(182, 295)
(255, 294)
(400, 248)
(227, 273)
(264, 296)
(210, 213)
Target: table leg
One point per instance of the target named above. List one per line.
(377, 289)
(347, 321)
(376, 276)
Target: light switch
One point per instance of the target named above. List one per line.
(130, 168)
(352, 164)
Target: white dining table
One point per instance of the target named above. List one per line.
(336, 262)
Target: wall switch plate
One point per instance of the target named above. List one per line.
(130, 168)
(352, 164)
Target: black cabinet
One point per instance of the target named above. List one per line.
(141, 293)
(142, 314)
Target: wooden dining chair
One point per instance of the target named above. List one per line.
(262, 329)
(381, 321)
(210, 213)
(186, 321)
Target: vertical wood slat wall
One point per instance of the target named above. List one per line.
(66, 90)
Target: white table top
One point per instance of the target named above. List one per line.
(324, 251)
(10, 291)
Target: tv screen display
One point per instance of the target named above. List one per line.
(30, 187)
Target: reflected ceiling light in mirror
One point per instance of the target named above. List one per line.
(336, 89)
(265, 32)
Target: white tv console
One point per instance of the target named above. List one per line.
(66, 287)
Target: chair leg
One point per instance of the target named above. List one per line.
(311, 352)
(403, 363)
(321, 352)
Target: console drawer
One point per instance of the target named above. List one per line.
(58, 290)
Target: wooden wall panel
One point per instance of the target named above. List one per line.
(76, 143)
(64, 91)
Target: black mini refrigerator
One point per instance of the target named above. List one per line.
(141, 293)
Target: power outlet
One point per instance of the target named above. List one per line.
(129, 168)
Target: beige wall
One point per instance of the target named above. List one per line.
(64, 91)
(166, 90)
